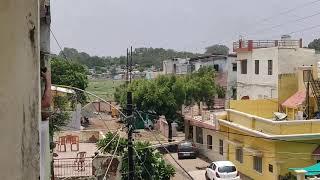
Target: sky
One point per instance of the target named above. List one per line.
(108, 27)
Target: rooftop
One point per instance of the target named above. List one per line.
(249, 45)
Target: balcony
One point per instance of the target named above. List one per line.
(249, 45)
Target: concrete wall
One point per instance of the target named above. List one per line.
(262, 85)
(285, 61)
(290, 59)
(262, 108)
(288, 86)
(231, 77)
(213, 154)
(19, 90)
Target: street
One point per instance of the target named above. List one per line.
(195, 167)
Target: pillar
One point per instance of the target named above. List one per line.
(19, 89)
(300, 174)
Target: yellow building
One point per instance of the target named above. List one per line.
(264, 149)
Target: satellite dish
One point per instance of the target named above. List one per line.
(280, 116)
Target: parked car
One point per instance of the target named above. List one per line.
(187, 149)
(222, 170)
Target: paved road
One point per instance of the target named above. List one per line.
(193, 166)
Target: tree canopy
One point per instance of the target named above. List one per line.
(315, 44)
(166, 94)
(144, 57)
(217, 49)
(68, 73)
(151, 160)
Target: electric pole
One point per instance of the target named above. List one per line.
(130, 120)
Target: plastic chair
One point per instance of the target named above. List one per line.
(74, 141)
(62, 142)
(80, 158)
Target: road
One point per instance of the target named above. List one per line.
(195, 167)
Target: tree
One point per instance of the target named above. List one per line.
(217, 49)
(152, 160)
(315, 44)
(60, 117)
(69, 73)
(166, 94)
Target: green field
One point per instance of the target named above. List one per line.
(104, 88)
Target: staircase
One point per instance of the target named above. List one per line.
(315, 85)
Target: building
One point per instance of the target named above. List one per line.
(225, 66)
(20, 90)
(261, 143)
(176, 66)
(261, 62)
(226, 69)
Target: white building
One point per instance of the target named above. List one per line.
(260, 63)
(176, 66)
(226, 68)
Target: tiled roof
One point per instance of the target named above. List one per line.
(295, 100)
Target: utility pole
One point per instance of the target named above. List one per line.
(130, 121)
(127, 75)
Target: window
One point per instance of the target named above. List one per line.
(269, 67)
(216, 67)
(220, 146)
(256, 66)
(234, 93)
(234, 66)
(199, 135)
(209, 141)
(239, 155)
(243, 66)
(270, 168)
(257, 164)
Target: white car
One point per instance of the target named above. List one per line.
(222, 170)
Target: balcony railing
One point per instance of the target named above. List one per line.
(72, 167)
(248, 45)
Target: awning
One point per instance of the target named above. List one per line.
(295, 100)
(311, 170)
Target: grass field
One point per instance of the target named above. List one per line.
(104, 88)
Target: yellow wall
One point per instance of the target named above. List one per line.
(287, 86)
(298, 155)
(263, 107)
(280, 154)
(268, 157)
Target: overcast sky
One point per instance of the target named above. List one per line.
(108, 27)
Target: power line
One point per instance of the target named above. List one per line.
(282, 24)
(166, 148)
(114, 153)
(287, 11)
(142, 162)
(55, 38)
(104, 147)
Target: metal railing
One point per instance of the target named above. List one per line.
(255, 44)
(72, 167)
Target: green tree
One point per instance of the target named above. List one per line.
(69, 73)
(152, 161)
(166, 94)
(60, 117)
(217, 49)
(315, 44)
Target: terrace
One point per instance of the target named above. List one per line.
(249, 45)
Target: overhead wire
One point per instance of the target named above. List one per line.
(114, 153)
(55, 38)
(166, 149)
(139, 157)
